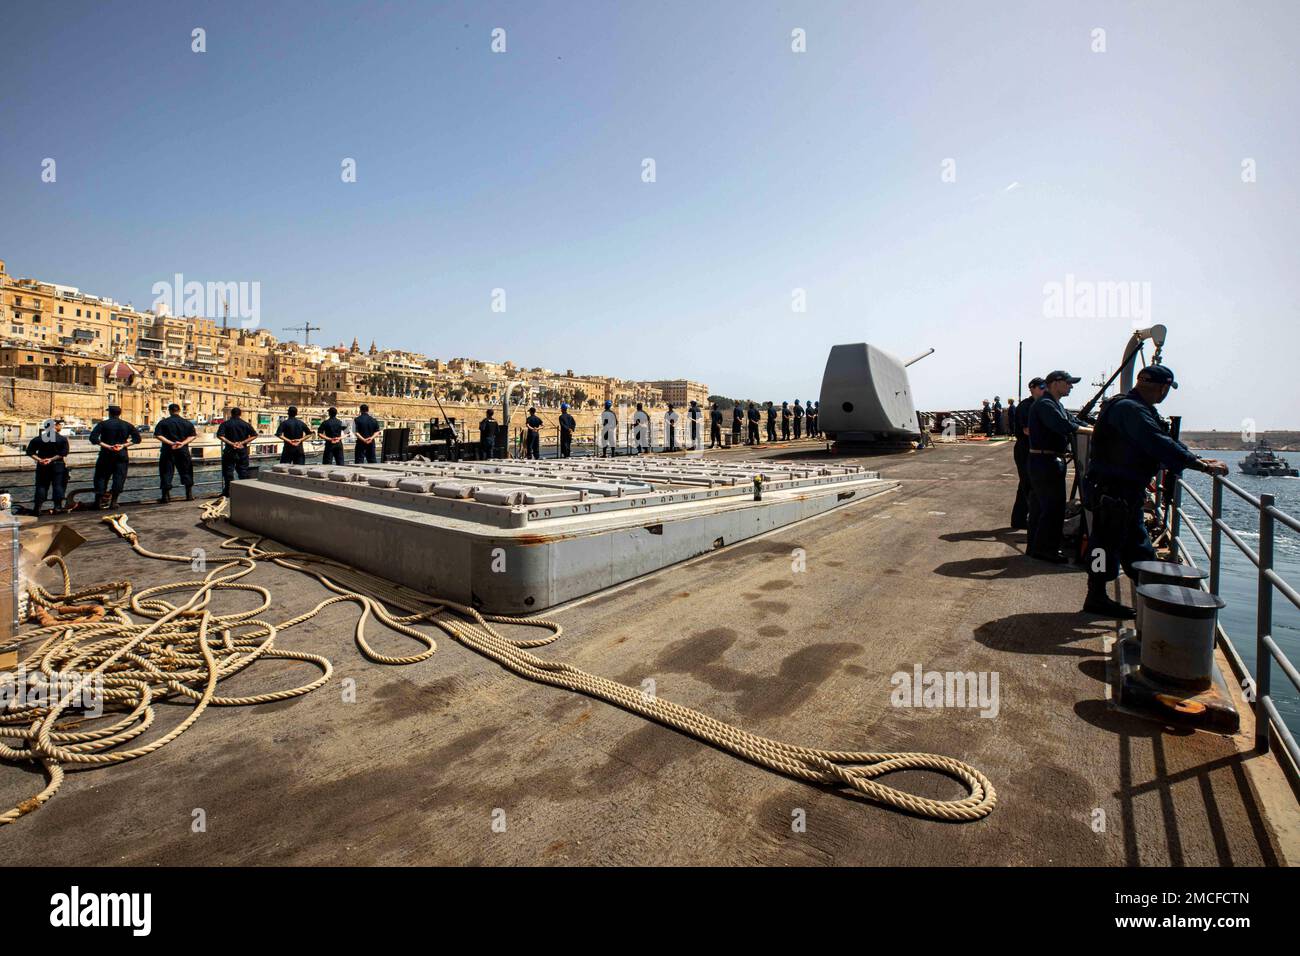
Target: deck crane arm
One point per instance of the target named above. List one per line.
(1125, 372)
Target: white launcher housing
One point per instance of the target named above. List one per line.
(866, 396)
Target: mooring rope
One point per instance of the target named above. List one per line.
(185, 650)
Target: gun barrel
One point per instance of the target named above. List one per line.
(918, 358)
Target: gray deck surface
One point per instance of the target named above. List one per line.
(413, 771)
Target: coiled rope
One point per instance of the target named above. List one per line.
(184, 650)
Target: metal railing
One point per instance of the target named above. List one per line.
(1257, 687)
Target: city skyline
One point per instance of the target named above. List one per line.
(277, 333)
(873, 177)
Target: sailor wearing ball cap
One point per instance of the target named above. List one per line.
(1051, 430)
(1130, 444)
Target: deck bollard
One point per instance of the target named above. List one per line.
(1178, 638)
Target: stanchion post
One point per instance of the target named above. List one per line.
(1263, 623)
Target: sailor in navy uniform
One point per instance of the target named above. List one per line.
(112, 435)
(293, 431)
(785, 421)
(174, 434)
(695, 414)
(1051, 429)
(671, 420)
(235, 436)
(1130, 444)
(771, 422)
(49, 450)
(568, 424)
(754, 418)
(798, 420)
(487, 436)
(366, 428)
(332, 431)
(532, 435)
(715, 426)
(737, 417)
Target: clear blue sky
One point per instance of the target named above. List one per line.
(775, 171)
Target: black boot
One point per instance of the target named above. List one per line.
(167, 496)
(112, 502)
(189, 493)
(1100, 603)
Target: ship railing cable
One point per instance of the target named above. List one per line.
(1269, 724)
(168, 643)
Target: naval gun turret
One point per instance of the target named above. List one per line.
(866, 397)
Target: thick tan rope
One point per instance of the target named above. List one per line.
(185, 650)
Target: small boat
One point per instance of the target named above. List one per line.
(1263, 462)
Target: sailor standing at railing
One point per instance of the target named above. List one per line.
(175, 434)
(695, 414)
(49, 450)
(332, 431)
(533, 435)
(235, 436)
(568, 424)
(487, 437)
(366, 428)
(293, 431)
(641, 429)
(112, 435)
(1130, 444)
(671, 420)
(608, 430)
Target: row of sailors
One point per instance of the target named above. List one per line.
(175, 434)
(489, 428)
(236, 435)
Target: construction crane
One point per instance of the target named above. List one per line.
(306, 331)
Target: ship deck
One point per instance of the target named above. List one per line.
(417, 768)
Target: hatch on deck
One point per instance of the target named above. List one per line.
(514, 537)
